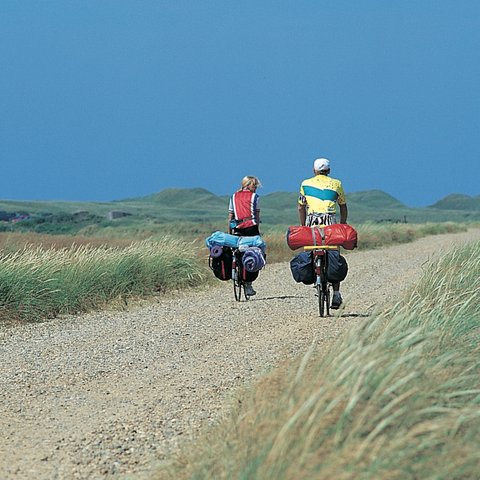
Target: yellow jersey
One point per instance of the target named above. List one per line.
(321, 193)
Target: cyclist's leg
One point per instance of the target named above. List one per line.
(249, 289)
(337, 299)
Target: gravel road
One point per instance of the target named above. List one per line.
(105, 395)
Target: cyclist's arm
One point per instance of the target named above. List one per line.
(302, 213)
(343, 213)
(257, 216)
(231, 216)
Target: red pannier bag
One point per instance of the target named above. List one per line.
(337, 234)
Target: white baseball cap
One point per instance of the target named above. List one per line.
(321, 164)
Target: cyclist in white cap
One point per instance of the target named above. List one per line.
(317, 205)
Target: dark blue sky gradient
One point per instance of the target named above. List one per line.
(104, 100)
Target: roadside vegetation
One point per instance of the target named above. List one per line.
(38, 282)
(42, 275)
(396, 397)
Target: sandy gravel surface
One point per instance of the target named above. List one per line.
(105, 395)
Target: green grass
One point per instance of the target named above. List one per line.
(397, 397)
(38, 283)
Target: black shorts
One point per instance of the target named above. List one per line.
(321, 219)
(247, 232)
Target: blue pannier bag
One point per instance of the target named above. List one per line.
(302, 268)
(337, 267)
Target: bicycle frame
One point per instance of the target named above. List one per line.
(322, 286)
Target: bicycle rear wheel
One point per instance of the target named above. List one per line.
(321, 300)
(237, 287)
(328, 296)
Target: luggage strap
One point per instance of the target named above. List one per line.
(322, 236)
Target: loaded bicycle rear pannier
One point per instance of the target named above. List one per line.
(337, 267)
(302, 268)
(246, 275)
(221, 263)
(336, 234)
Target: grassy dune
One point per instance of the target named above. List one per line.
(397, 397)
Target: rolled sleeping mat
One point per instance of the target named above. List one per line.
(216, 251)
(253, 259)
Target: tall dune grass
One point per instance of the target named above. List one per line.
(379, 235)
(37, 282)
(14, 241)
(370, 236)
(398, 397)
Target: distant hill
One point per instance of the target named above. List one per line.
(197, 209)
(279, 200)
(374, 199)
(457, 201)
(185, 197)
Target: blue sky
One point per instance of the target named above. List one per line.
(108, 99)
